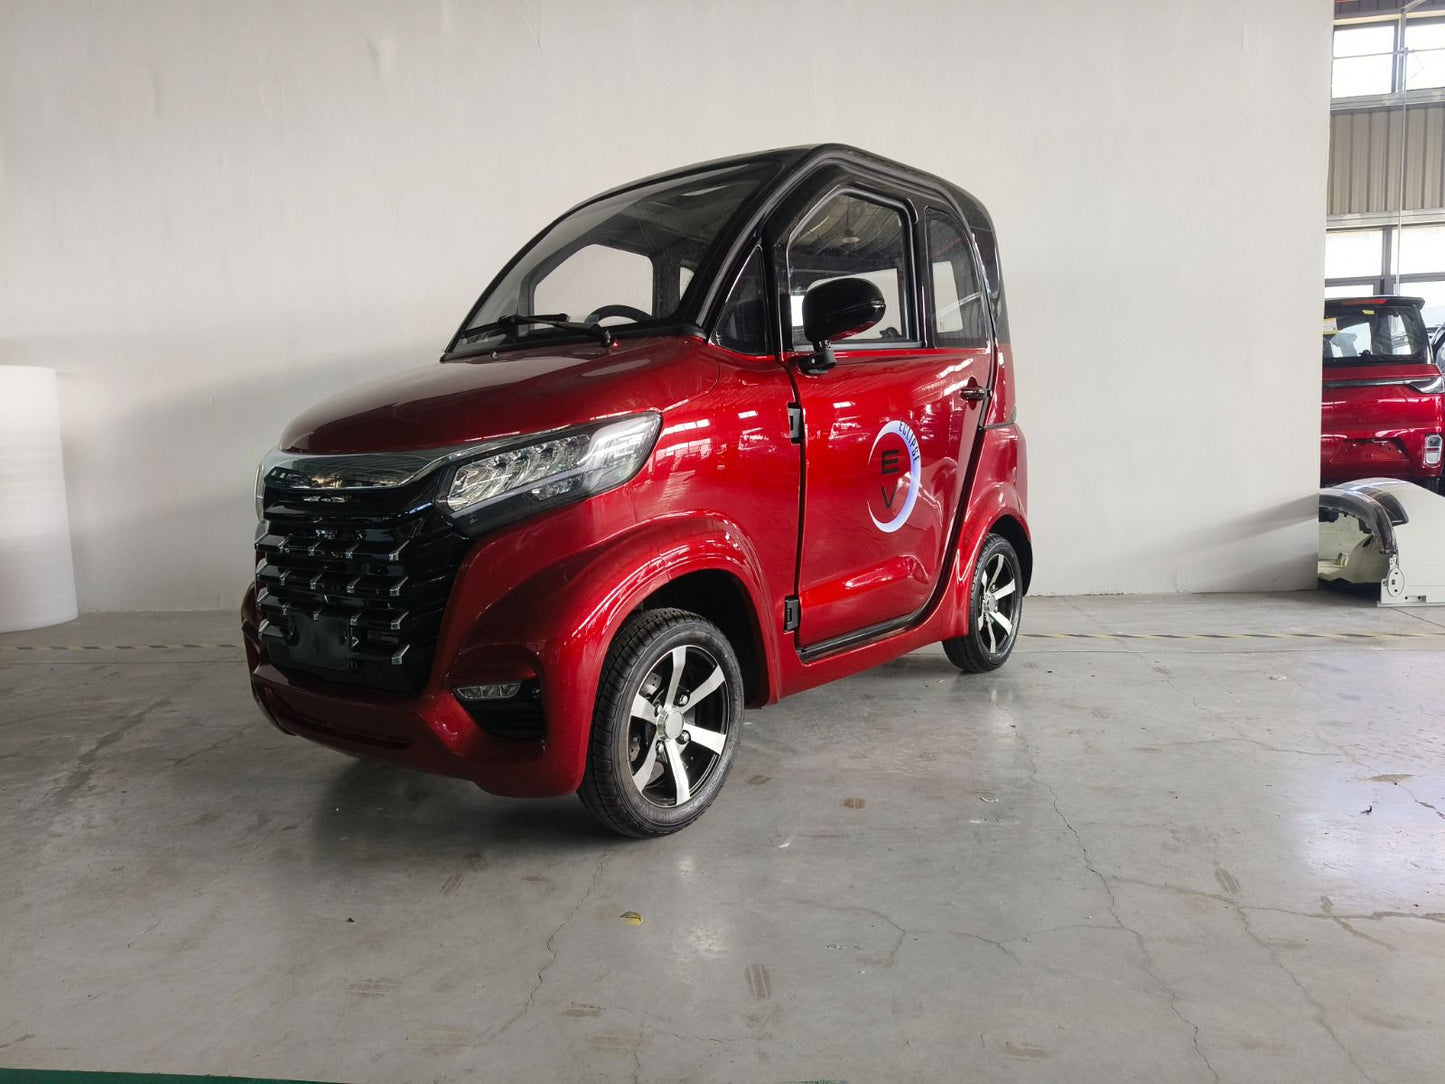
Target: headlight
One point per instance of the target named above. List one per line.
(508, 484)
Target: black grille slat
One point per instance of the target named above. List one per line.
(352, 586)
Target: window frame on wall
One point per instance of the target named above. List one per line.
(1386, 59)
(1437, 52)
(1395, 61)
(1389, 279)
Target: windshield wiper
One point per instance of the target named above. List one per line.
(517, 319)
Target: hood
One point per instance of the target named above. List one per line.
(518, 392)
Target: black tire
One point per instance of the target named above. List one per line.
(996, 607)
(649, 717)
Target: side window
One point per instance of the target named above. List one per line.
(593, 276)
(743, 324)
(958, 310)
(852, 237)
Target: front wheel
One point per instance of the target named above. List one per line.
(996, 605)
(666, 724)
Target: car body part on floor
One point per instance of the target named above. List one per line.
(710, 439)
(1385, 531)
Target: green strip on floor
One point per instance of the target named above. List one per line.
(65, 1076)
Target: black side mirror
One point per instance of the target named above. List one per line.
(835, 310)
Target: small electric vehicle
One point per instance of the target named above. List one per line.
(709, 439)
(1383, 397)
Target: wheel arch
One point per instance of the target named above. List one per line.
(996, 508)
(719, 596)
(1010, 527)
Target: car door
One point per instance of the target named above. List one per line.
(889, 431)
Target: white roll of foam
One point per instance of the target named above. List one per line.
(37, 579)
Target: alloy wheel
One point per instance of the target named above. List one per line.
(679, 725)
(998, 602)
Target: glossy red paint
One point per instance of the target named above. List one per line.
(543, 598)
(523, 392)
(719, 495)
(1376, 416)
(729, 513)
(1378, 430)
(890, 427)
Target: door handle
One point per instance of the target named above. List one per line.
(974, 393)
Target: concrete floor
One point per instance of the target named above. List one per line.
(1116, 859)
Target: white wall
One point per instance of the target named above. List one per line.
(212, 214)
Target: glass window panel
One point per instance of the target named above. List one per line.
(743, 325)
(1422, 250)
(851, 237)
(1355, 76)
(1353, 289)
(1365, 40)
(1353, 254)
(595, 276)
(1374, 333)
(1425, 56)
(958, 312)
(1364, 61)
(617, 242)
(1433, 291)
(1422, 35)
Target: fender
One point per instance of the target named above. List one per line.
(558, 624)
(995, 496)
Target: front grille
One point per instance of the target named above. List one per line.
(351, 586)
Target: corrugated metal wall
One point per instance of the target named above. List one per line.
(1365, 159)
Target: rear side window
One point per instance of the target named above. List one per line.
(958, 309)
(1374, 333)
(743, 325)
(849, 236)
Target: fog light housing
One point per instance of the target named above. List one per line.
(504, 691)
(1434, 446)
(510, 709)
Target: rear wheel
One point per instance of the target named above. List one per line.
(665, 726)
(996, 605)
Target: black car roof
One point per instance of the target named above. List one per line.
(793, 161)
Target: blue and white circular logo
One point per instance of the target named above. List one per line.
(891, 503)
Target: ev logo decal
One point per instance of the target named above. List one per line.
(890, 509)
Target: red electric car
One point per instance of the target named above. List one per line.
(709, 439)
(1383, 406)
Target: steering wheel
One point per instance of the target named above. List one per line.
(616, 310)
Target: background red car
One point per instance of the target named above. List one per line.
(1382, 409)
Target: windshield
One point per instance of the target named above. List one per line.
(1356, 334)
(623, 261)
